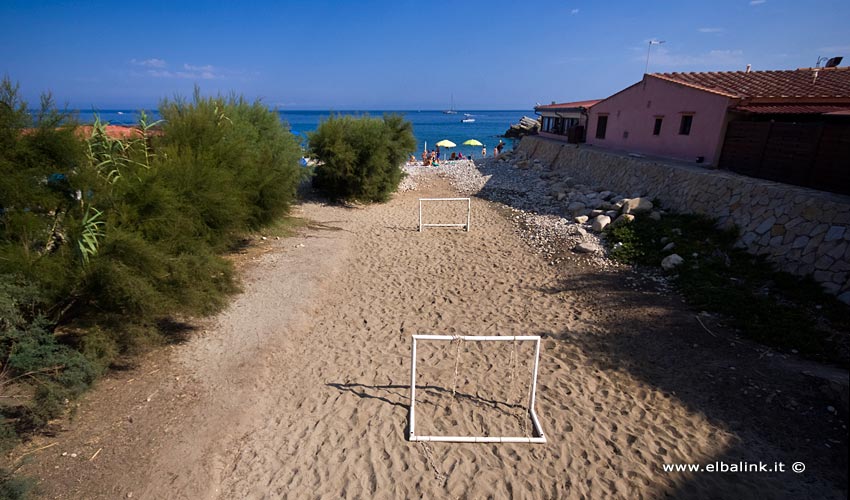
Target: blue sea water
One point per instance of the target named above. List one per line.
(428, 126)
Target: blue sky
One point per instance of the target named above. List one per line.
(396, 54)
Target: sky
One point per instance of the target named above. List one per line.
(398, 54)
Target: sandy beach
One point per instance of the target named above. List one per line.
(300, 388)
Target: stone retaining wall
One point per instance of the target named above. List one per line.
(803, 231)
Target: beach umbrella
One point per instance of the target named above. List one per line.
(445, 143)
(472, 143)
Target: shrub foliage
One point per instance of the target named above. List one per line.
(101, 238)
(360, 158)
(770, 306)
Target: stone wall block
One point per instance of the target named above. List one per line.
(788, 223)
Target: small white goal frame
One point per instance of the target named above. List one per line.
(537, 429)
(468, 212)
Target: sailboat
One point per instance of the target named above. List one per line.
(451, 111)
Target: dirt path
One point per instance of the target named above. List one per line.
(299, 389)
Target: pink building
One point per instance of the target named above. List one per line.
(686, 115)
(566, 121)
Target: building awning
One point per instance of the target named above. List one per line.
(573, 107)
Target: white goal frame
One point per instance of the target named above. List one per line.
(538, 430)
(468, 212)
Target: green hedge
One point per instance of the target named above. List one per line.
(100, 238)
(360, 158)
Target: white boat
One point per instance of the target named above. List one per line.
(451, 111)
(468, 120)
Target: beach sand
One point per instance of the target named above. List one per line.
(300, 388)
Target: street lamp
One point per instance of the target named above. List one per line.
(648, 48)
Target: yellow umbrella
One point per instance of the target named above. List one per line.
(445, 143)
(472, 143)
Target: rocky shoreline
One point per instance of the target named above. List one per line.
(553, 215)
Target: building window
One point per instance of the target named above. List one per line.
(685, 126)
(657, 129)
(601, 125)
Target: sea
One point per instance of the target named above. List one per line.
(429, 127)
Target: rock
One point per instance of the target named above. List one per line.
(671, 261)
(668, 247)
(525, 126)
(596, 213)
(561, 195)
(655, 215)
(624, 219)
(633, 205)
(586, 247)
(845, 297)
(605, 195)
(600, 222)
(581, 219)
(612, 213)
(576, 207)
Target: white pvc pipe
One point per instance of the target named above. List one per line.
(412, 389)
(473, 338)
(537, 426)
(468, 213)
(478, 439)
(534, 376)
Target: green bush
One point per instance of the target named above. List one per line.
(767, 305)
(360, 158)
(15, 488)
(103, 238)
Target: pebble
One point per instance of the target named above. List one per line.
(546, 223)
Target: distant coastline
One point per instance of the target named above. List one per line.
(429, 126)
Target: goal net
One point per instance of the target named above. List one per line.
(477, 389)
(447, 210)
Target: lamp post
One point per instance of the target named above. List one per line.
(648, 48)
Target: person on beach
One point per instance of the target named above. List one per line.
(484, 152)
(438, 152)
(499, 147)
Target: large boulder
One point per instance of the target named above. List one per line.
(633, 205)
(671, 261)
(600, 222)
(576, 207)
(586, 247)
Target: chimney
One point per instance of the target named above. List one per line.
(749, 67)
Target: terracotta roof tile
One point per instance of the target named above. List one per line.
(794, 109)
(776, 86)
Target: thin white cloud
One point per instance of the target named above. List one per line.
(757, 2)
(205, 68)
(574, 11)
(710, 30)
(149, 63)
(663, 58)
(157, 68)
(835, 49)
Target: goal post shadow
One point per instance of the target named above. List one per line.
(539, 437)
(468, 213)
